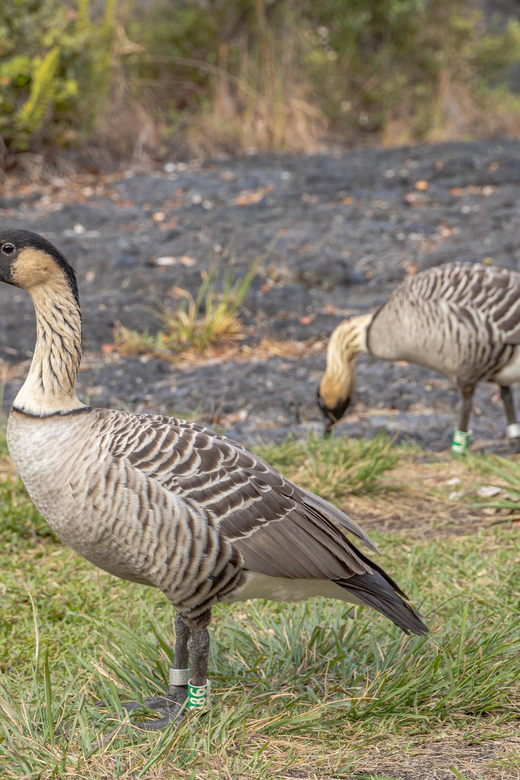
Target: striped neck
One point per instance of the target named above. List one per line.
(50, 387)
(347, 341)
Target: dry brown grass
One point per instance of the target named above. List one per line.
(384, 757)
(421, 504)
(434, 757)
(403, 490)
(266, 105)
(453, 114)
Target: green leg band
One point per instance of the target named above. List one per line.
(460, 443)
(198, 696)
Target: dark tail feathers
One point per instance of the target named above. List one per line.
(378, 592)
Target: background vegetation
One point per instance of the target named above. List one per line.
(138, 76)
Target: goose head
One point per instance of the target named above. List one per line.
(31, 262)
(336, 387)
(335, 393)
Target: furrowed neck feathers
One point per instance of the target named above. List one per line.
(347, 341)
(50, 386)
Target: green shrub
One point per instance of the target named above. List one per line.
(270, 74)
(54, 70)
(277, 74)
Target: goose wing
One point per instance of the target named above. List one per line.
(280, 529)
(474, 292)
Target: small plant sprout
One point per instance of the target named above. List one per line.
(209, 319)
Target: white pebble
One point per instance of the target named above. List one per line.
(455, 495)
(166, 260)
(487, 491)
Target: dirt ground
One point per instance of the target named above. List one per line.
(347, 226)
(435, 760)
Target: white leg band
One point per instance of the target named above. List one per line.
(179, 676)
(513, 431)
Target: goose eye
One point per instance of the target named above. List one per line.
(8, 249)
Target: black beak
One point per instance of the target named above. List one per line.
(332, 416)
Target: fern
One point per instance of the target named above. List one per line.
(55, 69)
(31, 115)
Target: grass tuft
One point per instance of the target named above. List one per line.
(334, 467)
(207, 320)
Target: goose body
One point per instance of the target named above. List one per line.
(170, 504)
(460, 320)
(165, 502)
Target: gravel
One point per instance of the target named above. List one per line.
(334, 233)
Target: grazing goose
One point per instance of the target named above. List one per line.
(165, 502)
(460, 320)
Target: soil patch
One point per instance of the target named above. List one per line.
(346, 228)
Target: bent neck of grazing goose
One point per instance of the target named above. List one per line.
(50, 387)
(347, 341)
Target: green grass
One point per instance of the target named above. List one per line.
(334, 467)
(299, 690)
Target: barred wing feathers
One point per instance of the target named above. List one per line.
(479, 293)
(279, 529)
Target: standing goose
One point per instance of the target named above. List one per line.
(165, 502)
(460, 320)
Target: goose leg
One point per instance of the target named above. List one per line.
(465, 410)
(461, 436)
(199, 687)
(179, 675)
(170, 705)
(513, 429)
(198, 648)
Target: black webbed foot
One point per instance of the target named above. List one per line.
(166, 706)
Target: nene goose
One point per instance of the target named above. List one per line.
(169, 503)
(460, 320)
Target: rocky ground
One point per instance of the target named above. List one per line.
(347, 227)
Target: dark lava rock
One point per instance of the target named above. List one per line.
(331, 235)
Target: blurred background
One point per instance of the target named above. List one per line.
(138, 78)
(233, 178)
